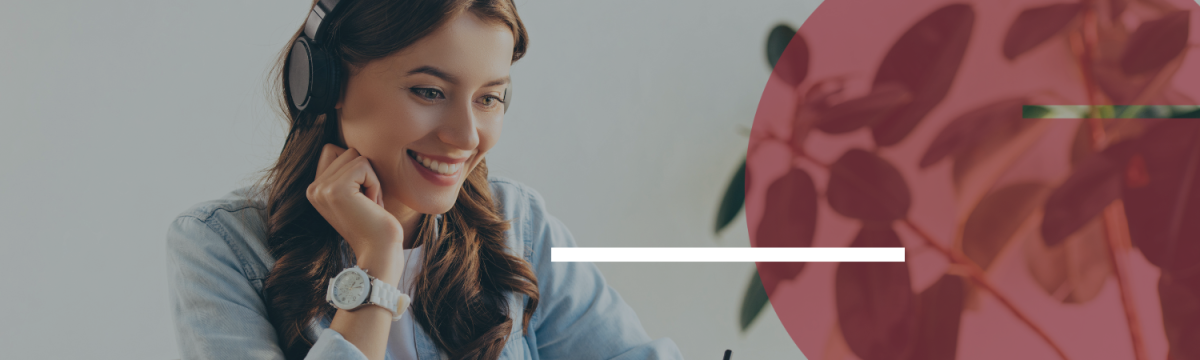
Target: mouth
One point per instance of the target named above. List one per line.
(438, 172)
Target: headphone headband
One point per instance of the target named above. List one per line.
(317, 16)
(313, 82)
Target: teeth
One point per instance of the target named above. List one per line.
(436, 166)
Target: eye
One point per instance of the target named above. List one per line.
(492, 100)
(428, 93)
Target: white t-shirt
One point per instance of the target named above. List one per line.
(401, 339)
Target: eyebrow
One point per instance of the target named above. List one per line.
(439, 73)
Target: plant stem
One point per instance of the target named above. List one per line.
(977, 275)
(1116, 234)
(1116, 229)
(1082, 42)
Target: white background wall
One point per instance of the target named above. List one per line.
(118, 115)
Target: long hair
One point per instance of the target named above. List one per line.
(460, 294)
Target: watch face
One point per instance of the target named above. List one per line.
(349, 289)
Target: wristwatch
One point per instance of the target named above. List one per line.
(353, 288)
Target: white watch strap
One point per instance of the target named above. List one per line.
(389, 297)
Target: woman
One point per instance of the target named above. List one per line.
(391, 181)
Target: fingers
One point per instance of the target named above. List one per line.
(371, 182)
(327, 183)
(329, 153)
(336, 165)
(360, 173)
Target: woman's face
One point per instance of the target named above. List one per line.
(436, 100)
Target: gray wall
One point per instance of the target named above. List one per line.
(118, 115)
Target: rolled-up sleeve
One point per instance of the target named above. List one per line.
(578, 315)
(218, 312)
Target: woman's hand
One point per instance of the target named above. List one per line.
(347, 193)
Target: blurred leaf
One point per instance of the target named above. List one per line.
(1114, 47)
(754, 301)
(1034, 111)
(1180, 298)
(1075, 270)
(1094, 184)
(875, 302)
(1106, 68)
(925, 60)
(1162, 194)
(1155, 43)
(1116, 130)
(1048, 266)
(996, 146)
(1089, 264)
(968, 128)
(941, 309)
(864, 186)
(1036, 25)
(1116, 8)
(777, 41)
(789, 220)
(735, 197)
(996, 219)
(1194, 114)
(854, 114)
(835, 346)
(784, 44)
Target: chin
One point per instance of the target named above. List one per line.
(434, 204)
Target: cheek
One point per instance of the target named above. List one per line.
(489, 135)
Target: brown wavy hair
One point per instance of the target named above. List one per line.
(460, 294)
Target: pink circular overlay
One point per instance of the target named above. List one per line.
(903, 123)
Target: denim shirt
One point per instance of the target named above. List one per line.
(217, 261)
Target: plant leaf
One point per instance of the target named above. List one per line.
(1094, 184)
(1034, 111)
(969, 127)
(1003, 142)
(789, 220)
(875, 302)
(1088, 262)
(786, 45)
(1162, 194)
(1075, 270)
(754, 301)
(925, 60)
(1116, 130)
(1116, 8)
(994, 222)
(941, 308)
(854, 114)
(864, 186)
(734, 199)
(1155, 43)
(1048, 266)
(777, 41)
(1036, 25)
(1180, 298)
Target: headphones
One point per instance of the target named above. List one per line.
(314, 73)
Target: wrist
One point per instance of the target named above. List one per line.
(386, 265)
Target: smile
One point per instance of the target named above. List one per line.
(439, 167)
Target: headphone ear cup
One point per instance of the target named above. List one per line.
(507, 95)
(299, 73)
(312, 77)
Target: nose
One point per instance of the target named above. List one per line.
(459, 128)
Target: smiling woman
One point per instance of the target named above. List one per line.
(381, 192)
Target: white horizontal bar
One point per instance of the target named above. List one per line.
(726, 254)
